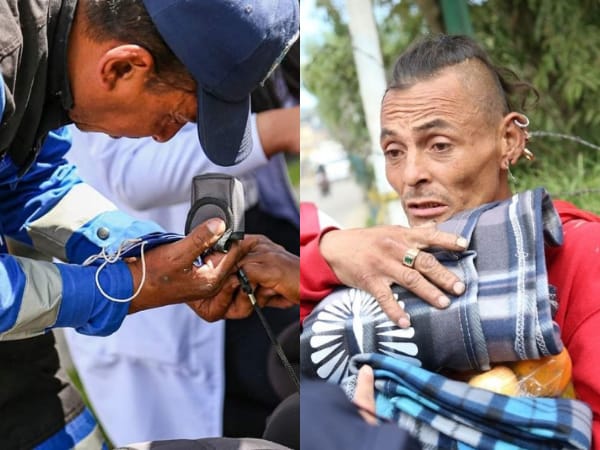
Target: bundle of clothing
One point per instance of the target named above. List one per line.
(505, 314)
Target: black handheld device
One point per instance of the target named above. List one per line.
(218, 195)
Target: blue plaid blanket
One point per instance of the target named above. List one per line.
(505, 313)
(447, 414)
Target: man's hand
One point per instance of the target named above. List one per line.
(172, 277)
(371, 259)
(227, 304)
(273, 271)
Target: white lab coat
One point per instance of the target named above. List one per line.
(161, 375)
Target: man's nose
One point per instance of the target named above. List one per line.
(415, 168)
(166, 134)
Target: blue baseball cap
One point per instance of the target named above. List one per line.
(229, 47)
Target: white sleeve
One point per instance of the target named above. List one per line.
(143, 173)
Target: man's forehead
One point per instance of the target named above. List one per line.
(420, 127)
(431, 124)
(447, 92)
(461, 76)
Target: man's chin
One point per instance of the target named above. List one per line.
(84, 127)
(421, 219)
(418, 222)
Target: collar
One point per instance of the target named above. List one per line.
(60, 22)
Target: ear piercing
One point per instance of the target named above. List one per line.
(523, 125)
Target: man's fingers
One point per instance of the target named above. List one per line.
(200, 239)
(215, 308)
(416, 283)
(440, 276)
(389, 304)
(240, 308)
(211, 309)
(271, 298)
(438, 238)
(364, 396)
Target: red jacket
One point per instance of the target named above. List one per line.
(573, 268)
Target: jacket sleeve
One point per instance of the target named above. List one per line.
(51, 209)
(575, 271)
(316, 277)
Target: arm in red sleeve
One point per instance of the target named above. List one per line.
(316, 277)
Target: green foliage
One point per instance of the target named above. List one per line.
(331, 75)
(293, 169)
(571, 172)
(553, 44)
(74, 376)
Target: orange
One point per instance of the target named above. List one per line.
(569, 391)
(545, 377)
(499, 379)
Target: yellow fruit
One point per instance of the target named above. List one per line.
(499, 379)
(545, 377)
(569, 391)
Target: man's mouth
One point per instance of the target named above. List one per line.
(426, 209)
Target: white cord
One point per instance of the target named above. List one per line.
(111, 259)
(569, 137)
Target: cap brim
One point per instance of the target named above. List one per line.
(224, 129)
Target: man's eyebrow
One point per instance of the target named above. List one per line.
(385, 132)
(436, 123)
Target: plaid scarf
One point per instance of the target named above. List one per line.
(447, 414)
(504, 315)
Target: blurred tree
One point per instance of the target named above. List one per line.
(331, 76)
(555, 45)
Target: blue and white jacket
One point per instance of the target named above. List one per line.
(51, 209)
(43, 203)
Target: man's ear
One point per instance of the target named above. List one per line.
(514, 138)
(126, 62)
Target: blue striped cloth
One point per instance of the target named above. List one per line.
(81, 432)
(447, 414)
(505, 313)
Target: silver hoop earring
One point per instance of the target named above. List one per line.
(520, 124)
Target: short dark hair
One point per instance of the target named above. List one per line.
(128, 21)
(433, 53)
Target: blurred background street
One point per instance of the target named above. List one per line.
(348, 48)
(345, 202)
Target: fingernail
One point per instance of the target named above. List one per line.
(459, 287)
(443, 301)
(404, 322)
(366, 369)
(216, 226)
(462, 242)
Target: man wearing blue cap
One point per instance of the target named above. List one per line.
(127, 68)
